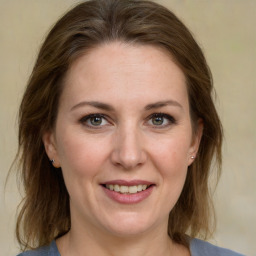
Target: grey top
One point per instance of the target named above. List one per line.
(197, 248)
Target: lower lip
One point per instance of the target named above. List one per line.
(128, 198)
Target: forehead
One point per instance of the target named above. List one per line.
(125, 70)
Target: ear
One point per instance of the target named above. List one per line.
(195, 142)
(50, 148)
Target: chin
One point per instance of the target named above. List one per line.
(128, 224)
(128, 231)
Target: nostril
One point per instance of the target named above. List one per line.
(128, 150)
(128, 160)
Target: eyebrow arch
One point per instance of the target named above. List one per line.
(95, 104)
(163, 104)
(108, 107)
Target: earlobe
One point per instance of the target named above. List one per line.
(196, 141)
(51, 149)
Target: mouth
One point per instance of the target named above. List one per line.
(128, 192)
(123, 189)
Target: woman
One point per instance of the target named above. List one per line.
(118, 131)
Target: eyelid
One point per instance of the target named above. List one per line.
(85, 118)
(170, 119)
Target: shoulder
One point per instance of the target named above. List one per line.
(48, 250)
(202, 248)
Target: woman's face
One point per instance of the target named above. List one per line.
(123, 138)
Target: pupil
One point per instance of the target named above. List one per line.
(96, 120)
(158, 120)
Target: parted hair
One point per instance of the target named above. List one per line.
(44, 212)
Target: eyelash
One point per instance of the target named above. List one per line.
(171, 120)
(84, 120)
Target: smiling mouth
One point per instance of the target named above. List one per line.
(127, 189)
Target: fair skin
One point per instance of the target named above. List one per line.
(123, 119)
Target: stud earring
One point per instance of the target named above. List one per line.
(52, 161)
(192, 157)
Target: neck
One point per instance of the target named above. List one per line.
(98, 243)
(88, 239)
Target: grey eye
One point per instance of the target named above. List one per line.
(157, 120)
(95, 120)
(161, 120)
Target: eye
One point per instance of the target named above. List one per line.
(161, 120)
(94, 120)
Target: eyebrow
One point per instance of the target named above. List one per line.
(107, 107)
(95, 104)
(161, 104)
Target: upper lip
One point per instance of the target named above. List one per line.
(128, 182)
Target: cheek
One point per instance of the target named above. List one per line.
(172, 165)
(80, 155)
(81, 162)
(172, 153)
(170, 158)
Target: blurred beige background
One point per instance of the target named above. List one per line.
(226, 32)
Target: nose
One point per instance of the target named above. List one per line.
(128, 149)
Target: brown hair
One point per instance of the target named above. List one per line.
(44, 213)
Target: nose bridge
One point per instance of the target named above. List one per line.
(128, 147)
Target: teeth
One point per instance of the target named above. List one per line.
(133, 189)
(139, 188)
(116, 188)
(126, 189)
